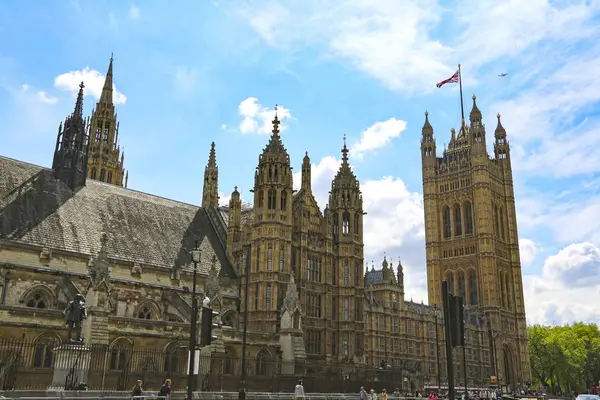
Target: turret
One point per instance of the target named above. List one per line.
(501, 146)
(477, 129)
(71, 151)
(234, 227)
(306, 172)
(428, 150)
(210, 191)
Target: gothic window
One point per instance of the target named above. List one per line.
(146, 313)
(283, 199)
(271, 199)
(346, 275)
(261, 198)
(345, 344)
(357, 274)
(508, 292)
(228, 319)
(93, 174)
(256, 293)
(102, 175)
(37, 300)
(501, 221)
(119, 358)
(447, 223)
(270, 258)
(457, 220)
(109, 180)
(309, 269)
(502, 291)
(346, 222)
(43, 356)
(175, 359)
(358, 308)
(281, 258)
(462, 290)
(473, 300)
(257, 257)
(270, 173)
(334, 274)
(313, 308)
(275, 176)
(229, 365)
(356, 219)
(346, 310)
(261, 363)
(450, 279)
(268, 297)
(468, 218)
(496, 225)
(335, 224)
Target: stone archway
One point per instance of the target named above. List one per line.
(508, 368)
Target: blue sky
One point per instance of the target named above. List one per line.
(207, 71)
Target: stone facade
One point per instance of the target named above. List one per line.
(472, 240)
(312, 309)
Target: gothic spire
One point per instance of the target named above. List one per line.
(275, 144)
(107, 90)
(210, 191)
(78, 112)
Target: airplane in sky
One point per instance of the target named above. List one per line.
(503, 75)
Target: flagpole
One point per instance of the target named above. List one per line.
(462, 106)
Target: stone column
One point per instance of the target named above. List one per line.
(71, 365)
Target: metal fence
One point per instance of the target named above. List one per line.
(38, 365)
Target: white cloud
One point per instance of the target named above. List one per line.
(186, 78)
(134, 12)
(256, 118)
(223, 127)
(568, 289)
(528, 250)
(40, 95)
(377, 136)
(93, 80)
(393, 224)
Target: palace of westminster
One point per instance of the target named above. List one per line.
(75, 228)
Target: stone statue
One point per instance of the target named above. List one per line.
(75, 313)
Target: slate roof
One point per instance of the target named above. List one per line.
(36, 208)
(373, 277)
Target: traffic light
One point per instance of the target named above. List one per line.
(206, 336)
(457, 323)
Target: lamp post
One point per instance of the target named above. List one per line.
(242, 392)
(191, 385)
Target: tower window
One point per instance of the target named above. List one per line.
(261, 198)
(346, 275)
(447, 222)
(473, 287)
(270, 258)
(257, 257)
(468, 219)
(109, 180)
(356, 274)
(450, 280)
(346, 222)
(102, 175)
(356, 229)
(335, 225)
(462, 290)
(271, 199)
(457, 220)
(508, 292)
(283, 199)
(256, 296)
(281, 258)
(268, 297)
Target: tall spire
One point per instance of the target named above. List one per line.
(275, 144)
(78, 112)
(107, 90)
(210, 191)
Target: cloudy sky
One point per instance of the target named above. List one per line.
(201, 71)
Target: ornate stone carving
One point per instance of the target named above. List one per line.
(100, 267)
(291, 301)
(136, 270)
(212, 286)
(45, 255)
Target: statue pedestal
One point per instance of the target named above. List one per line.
(71, 366)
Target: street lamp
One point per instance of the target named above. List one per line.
(437, 347)
(195, 255)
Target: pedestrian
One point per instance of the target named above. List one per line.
(383, 395)
(165, 390)
(137, 390)
(299, 391)
(363, 393)
(373, 395)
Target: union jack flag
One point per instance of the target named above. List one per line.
(452, 79)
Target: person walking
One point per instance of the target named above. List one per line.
(137, 390)
(299, 391)
(165, 390)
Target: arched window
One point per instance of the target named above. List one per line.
(175, 359)
(147, 312)
(270, 258)
(462, 289)
(261, 198)
(502, 290)
(457, 220)
(356, 221)
(109, 180)
(228, 319)
(335, 224)
(447, 223)
(262, 363)
(501, 222)
(93, 173)
(43, 355)
(473, 298)
(346, 222)
(496, 224)
(37, 300)
(508, 291)
(271, 199)
(281, 257)
(120, 356)
(102, 174)
(450, 279)
(283, 199)
(468, 219)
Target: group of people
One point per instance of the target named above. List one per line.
(372, 395)
(137, 391)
